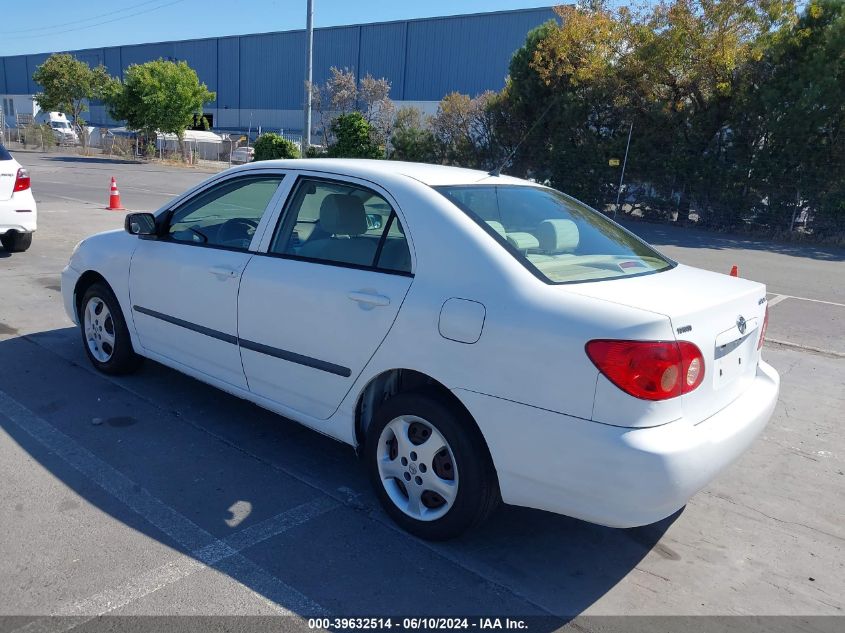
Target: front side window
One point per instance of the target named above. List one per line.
(343, 224)
(225, 215)
(558, 238)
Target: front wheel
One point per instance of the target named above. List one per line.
(104, 332)
(16, 242)
(429, 466)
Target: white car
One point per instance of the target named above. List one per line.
(476, 337)
(18, 213)
(242, 155)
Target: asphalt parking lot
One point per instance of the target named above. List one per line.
(154, 494)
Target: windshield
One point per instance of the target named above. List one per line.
(4, 154)
(59, 124)
(556, 237)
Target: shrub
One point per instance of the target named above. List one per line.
(353, 138)
(271, 146)
(315, 151)
(414, 144)
(37, 135)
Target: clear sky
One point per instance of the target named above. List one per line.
(55, 25)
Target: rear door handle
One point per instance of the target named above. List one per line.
(223, 272)
(369, 298)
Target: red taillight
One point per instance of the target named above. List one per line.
(650, 370)
(22, 180)
(763, 329)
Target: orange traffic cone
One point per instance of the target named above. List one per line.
(734, 271)
(114, 197)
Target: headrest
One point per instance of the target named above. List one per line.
(558, 236)
(498, 227)
(522, 241)
(343, 214)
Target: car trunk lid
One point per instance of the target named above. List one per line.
(722, 315)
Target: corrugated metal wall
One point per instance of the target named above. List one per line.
(17, 78)
(423, 59)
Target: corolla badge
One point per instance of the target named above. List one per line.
(740, 324)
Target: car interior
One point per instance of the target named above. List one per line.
(345, 224)
(226, 215)
(330, 222)
(559, 238)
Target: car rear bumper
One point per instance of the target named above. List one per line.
(18, 213)
(615, 476)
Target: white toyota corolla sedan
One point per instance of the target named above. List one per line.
(18, 214)
(477, 337)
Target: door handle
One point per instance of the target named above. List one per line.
(369, 298)
(223, 272)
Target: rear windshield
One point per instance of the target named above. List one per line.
(556, 237)
(4, 154)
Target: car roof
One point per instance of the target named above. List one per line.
(432, 175)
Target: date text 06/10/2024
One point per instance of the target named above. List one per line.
(412, 624)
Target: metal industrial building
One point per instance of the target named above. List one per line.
(259, 78)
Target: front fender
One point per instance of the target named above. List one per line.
(108, 255)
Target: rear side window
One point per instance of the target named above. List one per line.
(4, 154)
(556, 237)
(342, 224)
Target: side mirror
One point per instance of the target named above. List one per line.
(373, 221)
(140, 224)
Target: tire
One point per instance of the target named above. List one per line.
(106, 338)
(16, 242)
(409, 474)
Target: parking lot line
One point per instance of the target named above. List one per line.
(779, 297)
(806, 348)
(203, 547)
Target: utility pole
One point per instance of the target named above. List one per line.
(622, 175)
(309, 75)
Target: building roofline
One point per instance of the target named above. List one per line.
(290, 31)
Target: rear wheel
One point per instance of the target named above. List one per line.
(104, 332)
(16, 242)
(429, 466)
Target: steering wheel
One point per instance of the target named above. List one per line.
(237, 232)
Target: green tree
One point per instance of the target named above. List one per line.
(353, 138)
(563, 105)
(462, 130)
(271, 146)
(411, 139)
(794, 106)
(67, 85)
(689, 62)
(159, 96)
(677, 70)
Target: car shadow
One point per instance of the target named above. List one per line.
(207, 455)
(94, 160)
(692, 237)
